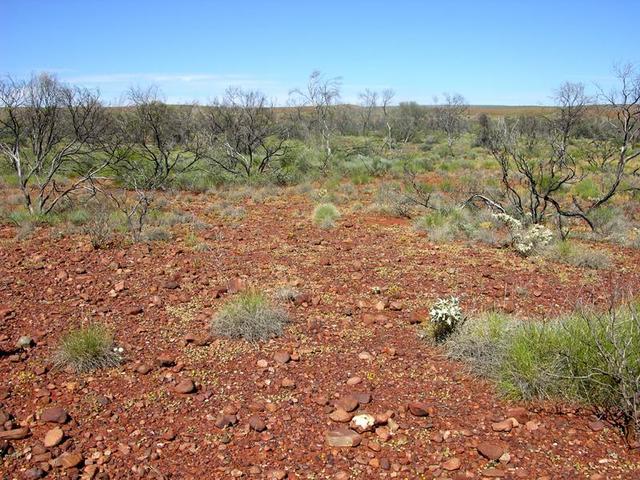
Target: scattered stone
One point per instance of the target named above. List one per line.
(169, 435)
(491, 451)
(282, 357)
(503, 426)
(226, 420)
(257, 424)
(136, 310)
(395, 306)
(419, 409)
(343, 437)
(288, 383)
(53, 437)
(278, 474)
(25, 342)
(144, 368)
(15, 434)
(170, 285)
(354, 381)
(321, 400)
(185, 386)
(70, 460)
(452, 464)
(493, 473)
(519, 413)
(166, 361)
(596, 426)
(348, 403)
(532, 425)
(262, 363)
(362, 397)
(54, 415)
(341, 416)
(34, 474)
(365, 356)
(363, 423)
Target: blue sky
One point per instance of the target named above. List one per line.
(493, 52)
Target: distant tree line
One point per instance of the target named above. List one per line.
(61, 139)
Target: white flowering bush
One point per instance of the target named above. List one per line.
(446, 316)
(526, 241)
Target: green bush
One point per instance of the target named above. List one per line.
(325, 215)
(250, 316)
(578, 255)
(587, 189)
(588, 357)
(77, 217)
(87, 348)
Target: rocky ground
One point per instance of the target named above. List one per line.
(350, 391)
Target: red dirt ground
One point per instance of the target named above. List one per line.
(126, 424)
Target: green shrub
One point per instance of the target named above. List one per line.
(587, 189)
(445, 224)
(588, 357)
(480, 342)
(250, 316)
(578, 255)
(87, 348)
(99, 226)
(325, 215)
(391, 200)
(157, 234)
(77, 217)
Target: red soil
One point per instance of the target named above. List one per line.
(127, 424)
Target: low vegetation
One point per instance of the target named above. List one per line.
(325, 215)
(87, 348)
(250, 316)
(589, 357)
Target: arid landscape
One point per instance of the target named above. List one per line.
(347, 242)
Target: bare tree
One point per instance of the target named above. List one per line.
(450, 115)
(49, 130)
(321, 94)
(572, 102)
(155, 142)
(368, 104)
(243, 134)
(386, 99)
(534, 173)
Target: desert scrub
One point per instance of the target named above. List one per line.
(481, 341)
(588, 357)
(578, 255)
(526, 240)
(391, 200)
(445, 318)
(87, 348)
(251, 316)
(325, 215)
(445, 225)
(99, 226)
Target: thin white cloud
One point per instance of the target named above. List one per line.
(177, 87)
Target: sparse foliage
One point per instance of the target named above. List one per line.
(87, 348)
(250, 316)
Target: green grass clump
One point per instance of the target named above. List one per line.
(250, 316)
(578, 255)
(587, 189)
(325, 215)
(87, 348)
(589, 357)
